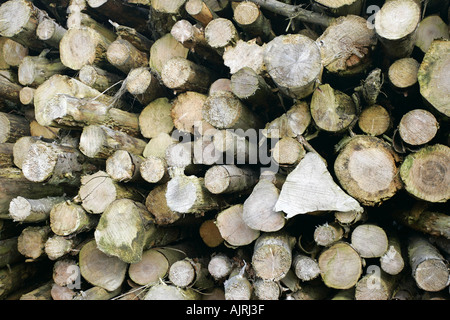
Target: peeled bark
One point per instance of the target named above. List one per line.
(253, 53)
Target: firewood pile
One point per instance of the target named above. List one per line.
(224, 150)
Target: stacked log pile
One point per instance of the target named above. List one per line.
(238, 150)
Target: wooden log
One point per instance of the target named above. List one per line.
(135, 37)
(62, 293)
(14, 183)
(229, 179)
(156, 118)
(205, 152)
(190, 273)
(19, 20)
(156, 203)
(200, 11)
(154, 265)
(124, 166)
(431, 76)
(327, 234)
(221, 33)
(272, 255)
(236, 148)
(233, 228)
(164, 15)
(164, 49)
(369, 240)
(164, 291)
(418, 127)
(306, 55)
(83, 46)
(65, 272)
(181, 74)
(397, 37)
(6, 155)
(55, 163)
(10, 254)
(40, 293)
(31, 241)
(99, 269)
(57, 246)
(99, 79)
(17, 276)
(180, 157)
(97, 293)
(210, 234)
(220, 266)
(125, 56)
(428, 267)
(366, 169)
(144, 85)
(21, 147)
(392, 261)
(425, 173)
(249, 17)
(34, 70)
(11, 53)
(374, 120)
(332, 110)
(187, 112)
(68, 218)
(26, 96)
(77, 19)
(221, 84)
(50, 31)
(429, 29)
(9, 89)
(224, 110)
(305, 267)
(340, 266)
(237, 286)
(338, 8)
(259, 212)
(288, 152)
(32, 210)
(403, 74)
(157, 146)
(311, 291)
(99, 141)
(13, 127)
(188, 194)
(291, 124)
(267, 289)
(254, 53)
(375, 286)
(126, 228)
(99, 190)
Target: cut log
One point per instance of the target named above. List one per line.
(210, 234)
(62, 293)
(236, 148)
(272, 255)
(10, 254)
(181, 74)
(237, 286)
(187, 113)
(254, 53)
(338, 8)
(162, 291)
(259, 212)
(55, 163)
(267, 289)
(190, 273)
(346, 45)
(221, 84)
(224, 110)
(430, 28)
(327, 234)
(19, 20)
(9, 89)
(98, 191)
(180, 156)
(158, 145)
(155, 265)
(305, 267)
(369, 240)
(31, 242)
(425, 173)
(57, 247)
(21, 147)
(428, 267)
(69, 112)
(220, 266)
(366, 169)
(188, 194)
(32, 210)
(433, 83)
(397, 36)
(99, 269)
(156, 203)
(291, 124)
(144, 85)
(34, 70)
(163, 15)
(125, 56)
(375, 286)
(332, 110)
(68, 218)
(418, 127)
(392, 261)
(17, 276)
(374, 120)
(403, 74)
(13, 127)
(156, 118)
(99, 79)
(221, 33)
(11, 53)
(200, 11)
(310, 188)
(205, 152)
(6, 155)
(164, 49)
(278, 56)
(249, 17)
(50, 32)
(65, 272)
(26, 96)
(288, 152)
(233, 228)
(229, 179)
(124, 166)
(340, 266)
(99, 141)
(97, 293)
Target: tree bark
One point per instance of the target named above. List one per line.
(40, 293)
(163, 16)
(9, 89)
(16, 277)
(13, 127)
(6, 155)
(10, 254)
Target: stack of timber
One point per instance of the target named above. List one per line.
(237, 150)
